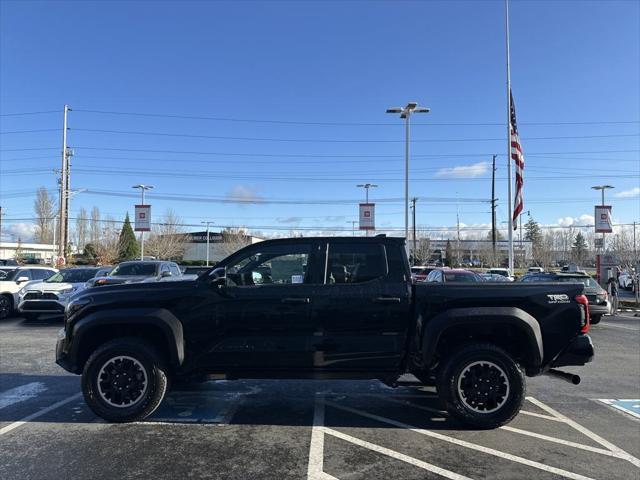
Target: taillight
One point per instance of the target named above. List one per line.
(586, 320)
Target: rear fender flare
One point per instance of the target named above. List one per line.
(160, 318)
(455, 317)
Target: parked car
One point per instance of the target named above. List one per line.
(599, 302)
(324, 308)
(419, 273)
(449, 275)
(194, 269)
(494, 277)
(14, 280)
(501, 271)
(141, 271)
(625, 280)
(103, 271)
(8, 262)
(53, 294)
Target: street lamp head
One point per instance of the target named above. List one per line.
(602, 187)
(421, 110)
(411, 105)
(394, 110)
(142, 186)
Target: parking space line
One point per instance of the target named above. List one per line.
(21, 393)
(568, 443)
(413, 405)
(593, 436)
(612, 403)
(396, 455)
(623, 327)
(540, 415)
(316, 447)
(463, 443)
(33, 416)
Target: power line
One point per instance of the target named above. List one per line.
(291, 122)
(27, 113)
(31, 131)
(310, 140)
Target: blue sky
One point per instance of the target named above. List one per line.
(331, 69)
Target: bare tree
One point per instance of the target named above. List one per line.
(233, 239)
(81, 229)
(168, 240)
(44, 208)
(108, 244)
(94, 226)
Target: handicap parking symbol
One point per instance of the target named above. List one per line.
(627, 405)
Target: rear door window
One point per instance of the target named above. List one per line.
(347, 263)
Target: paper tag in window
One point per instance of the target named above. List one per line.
(297, 278)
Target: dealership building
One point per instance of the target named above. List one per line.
(220, 246)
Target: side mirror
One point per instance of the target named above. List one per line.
(218, 276)
(22, 279)
(165, 274)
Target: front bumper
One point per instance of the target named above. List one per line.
(579, 352)
(42, 306)
(62, 355)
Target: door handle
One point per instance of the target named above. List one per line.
(387, 300)
(296, 300)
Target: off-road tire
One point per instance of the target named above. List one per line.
(145, 362)
(497, 402)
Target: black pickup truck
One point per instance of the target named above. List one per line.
(324, 308)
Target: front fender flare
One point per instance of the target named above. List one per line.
(161, 318)
(482, 316)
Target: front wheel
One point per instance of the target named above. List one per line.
(595, 319)
(124, 380)
(482, 386)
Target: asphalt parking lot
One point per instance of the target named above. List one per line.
(318, 430)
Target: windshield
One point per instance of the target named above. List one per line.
(11, 275)
(460, 277)
(586, 281)
(135, 269)
(72, 276)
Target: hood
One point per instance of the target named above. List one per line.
(137, 293)
(54, 287)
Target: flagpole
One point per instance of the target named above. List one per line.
(509, 175)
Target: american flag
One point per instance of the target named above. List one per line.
(518, 157)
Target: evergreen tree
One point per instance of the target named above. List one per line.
(580, 248)
(128, 248)
(533, 233)
(448, 254)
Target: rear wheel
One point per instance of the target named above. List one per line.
(124, 380)
(481, 385)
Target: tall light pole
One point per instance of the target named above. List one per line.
(207, 223)
(353, 227)
(366, 187)
(405, 113)
(142, 188)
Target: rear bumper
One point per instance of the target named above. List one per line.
(579, 352)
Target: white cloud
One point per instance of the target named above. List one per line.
(634, 192)
(289, 219)
(464, 171)
(244, 194)
(19, 231)
(583, 219)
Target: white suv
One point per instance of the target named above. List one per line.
(14, 280)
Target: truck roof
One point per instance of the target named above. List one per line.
(375, 239)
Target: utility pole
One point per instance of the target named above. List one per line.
(458, 234)
(415, 249)
(493, 207)
(207, 222)
(64, 183)
(634, 228)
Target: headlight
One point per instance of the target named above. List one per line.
(75, 305)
